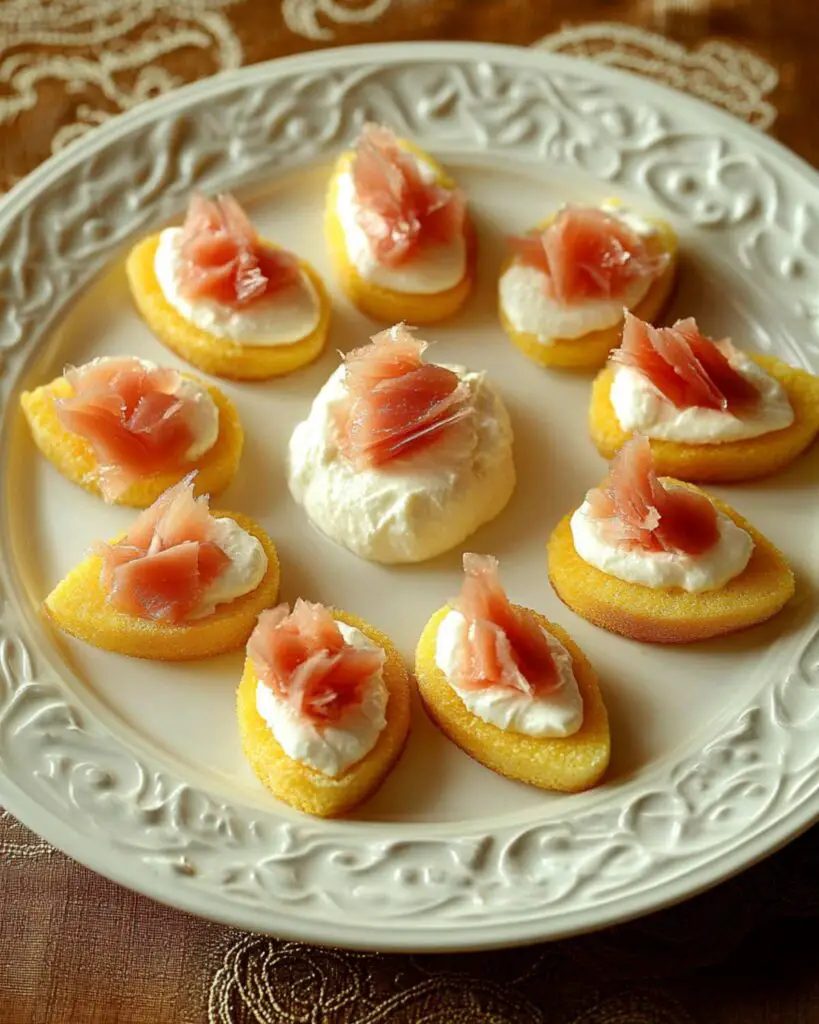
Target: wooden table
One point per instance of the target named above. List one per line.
(75, 948)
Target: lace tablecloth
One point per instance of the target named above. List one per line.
(75, 948)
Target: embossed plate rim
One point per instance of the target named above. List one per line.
(173, 879)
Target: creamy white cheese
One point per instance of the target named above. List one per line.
(556, 713)
(663, 569)
(205, 424)
(412, 508)
(530, 310)
(280, 319)
(332, 749)
(248, 565)
(640, 407)
(434, 269)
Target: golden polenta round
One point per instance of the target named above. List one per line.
(79, 606)
(303, 787)
(673, 615)
(74, 456)
(384, 303)
(729, 461)
(591, 351)
(566, 763)
(220, 356)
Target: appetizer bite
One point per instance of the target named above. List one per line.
(183, 582)
(127, 429)
(228, 301)
(323, 707)
(511, 688)
(398, 231)
(401, 459)
(661, 561)
(711, 411)
(563, 292)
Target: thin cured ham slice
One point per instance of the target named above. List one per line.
(163, 565)
(133, 417)
(639, 512)
(587, 254)
(304, 659)
(398, 211)
(686, 367)
(505, 645)
(398, 402)
(224, 259)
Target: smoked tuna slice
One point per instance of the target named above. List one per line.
(224, 259)
(505, 645)
(161, 568)
(399, 403)
(587, 254)
(686, 367)
(131, 415)
(303, 658)
(398, 211)
(639, 512)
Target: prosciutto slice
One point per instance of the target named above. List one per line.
(686, 367)
(640, 513)
(163, 565)
(303, 658)
(587, 254)
(505, 645)
(398, 403)
(398, 211)
(133, 418)
(223, 258)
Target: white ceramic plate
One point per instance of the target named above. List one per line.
(135, 768)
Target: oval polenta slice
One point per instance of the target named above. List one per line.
(727, 461)
(407, 206)
(564, 763)
(302, 786)
(221, 267)
(183, 582)
(86, 460)
(590, 351)
(531, 670)
(702, 584)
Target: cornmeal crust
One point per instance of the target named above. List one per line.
(383, 303)
(219, 356)
(591, 351)
(671, 616)
(729, 461)
(78, 605)
(304, 788)
(74, 457)
(568, 764)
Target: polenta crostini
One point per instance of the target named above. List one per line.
(126, 429)
(398, 231)
(711, 411)
(660, 561)
(323, 707)
(229, 302)
(512, 689)
(183, 582)
(562, 292)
